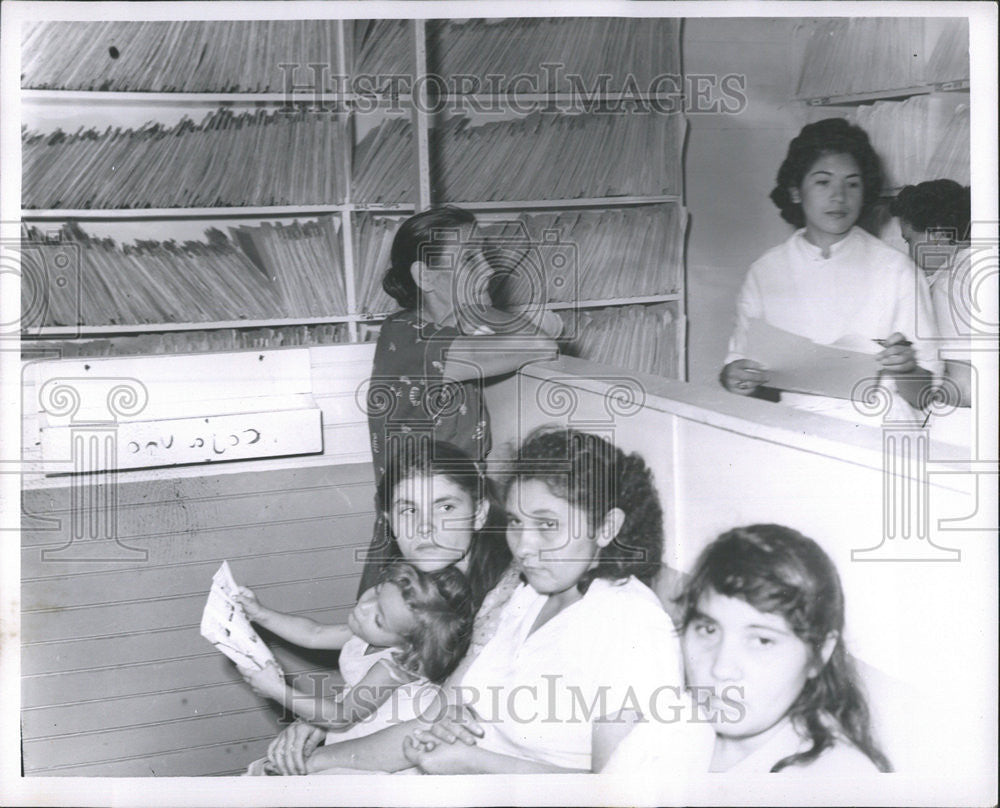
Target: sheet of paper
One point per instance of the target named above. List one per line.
(798, 364)
(225, 625)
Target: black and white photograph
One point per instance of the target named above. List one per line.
(553, 403)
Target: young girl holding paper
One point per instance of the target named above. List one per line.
(831, 281)
(440, 517)
(412, 628)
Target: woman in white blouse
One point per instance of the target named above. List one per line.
(582, 641)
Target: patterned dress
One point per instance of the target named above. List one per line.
(409, 396)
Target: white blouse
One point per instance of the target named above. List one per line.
(539, 693)
(862, 291)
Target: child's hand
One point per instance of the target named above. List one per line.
(267, 682)
(743, 376)
(898, 355)
(552, 325)
(248, 600)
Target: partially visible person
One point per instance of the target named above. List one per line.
(763, 640)
(934, 221)
(832, 282)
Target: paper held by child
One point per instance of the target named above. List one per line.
(225, 625)
(798, 364)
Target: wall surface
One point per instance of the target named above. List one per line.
(730, 164)
(116, 679)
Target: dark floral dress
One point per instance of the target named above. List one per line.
(409, 396)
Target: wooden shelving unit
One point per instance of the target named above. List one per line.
(250, 211)
(345, 103)
(929, 49)
(603, 202)
(361, 317)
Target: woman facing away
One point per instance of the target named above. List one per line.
(934, 220)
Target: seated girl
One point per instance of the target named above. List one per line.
(763, 639)
(581, 640)
(410, 629)
(437, 509)
(834, 283)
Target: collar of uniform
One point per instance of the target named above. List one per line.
(958, 257)
(815, 253)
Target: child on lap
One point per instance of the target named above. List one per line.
(412, 628)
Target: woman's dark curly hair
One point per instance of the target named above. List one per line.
(941, 205)
(594, 475)
(441, 604)
(829, 136)
(777, 570)
(418, 455)
(414, 241)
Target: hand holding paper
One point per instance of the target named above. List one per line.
(798, 364)
(225, 625)
(267, 681)
(744, 376)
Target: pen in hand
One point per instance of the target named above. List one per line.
(885, 343)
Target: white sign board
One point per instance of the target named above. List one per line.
(211, 439)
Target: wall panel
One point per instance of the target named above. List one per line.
(116, 679)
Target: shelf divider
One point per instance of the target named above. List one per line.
(582, 202)
(252, 212)
(420, 117)
(959, 85)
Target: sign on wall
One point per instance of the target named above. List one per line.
(129, 413)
